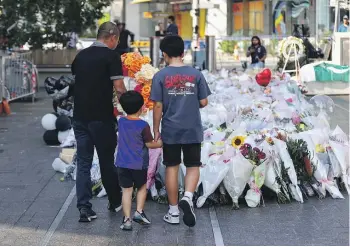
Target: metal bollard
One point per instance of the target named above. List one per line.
(210, 53)
(155, 51)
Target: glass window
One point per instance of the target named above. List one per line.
(248, 22)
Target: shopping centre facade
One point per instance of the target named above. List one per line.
(232, 17)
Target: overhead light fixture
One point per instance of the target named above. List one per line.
(140, 1)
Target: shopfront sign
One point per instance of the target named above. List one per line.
(182, 7)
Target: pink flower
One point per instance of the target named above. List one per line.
(244, 151)
(138, 88)
(296, 119)
(261, 155)
(247, 145)
(256, 150)
(290, 100)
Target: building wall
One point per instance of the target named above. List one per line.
(216, 17)
(142, 28)
(267, 17)
(116, 10)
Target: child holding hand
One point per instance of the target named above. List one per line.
(134, 140)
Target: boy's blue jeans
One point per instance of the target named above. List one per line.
(102, 135)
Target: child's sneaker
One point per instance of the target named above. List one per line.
(126, 224)
(189, 217)
(172, 218)
(141, 218)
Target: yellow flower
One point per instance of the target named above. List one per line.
(320, 148)
(269, 140)
(238, 141)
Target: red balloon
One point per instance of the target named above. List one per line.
(264, 77)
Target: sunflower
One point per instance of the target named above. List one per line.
(238, 141)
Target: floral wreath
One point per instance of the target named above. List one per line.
(288, 42)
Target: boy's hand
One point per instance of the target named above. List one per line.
(160, 143)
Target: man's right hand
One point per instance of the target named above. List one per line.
(156, 136)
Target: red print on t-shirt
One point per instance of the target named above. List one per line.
(178, 81)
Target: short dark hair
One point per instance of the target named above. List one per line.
(107, 29)
(172, 18)
(131, 101)
(173, 46)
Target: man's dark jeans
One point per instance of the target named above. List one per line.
(101, 135)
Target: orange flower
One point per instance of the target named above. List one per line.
(131, 74)
(149, 104)
(146, 90)
(146, 60)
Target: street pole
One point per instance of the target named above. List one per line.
(124, 11)
(195, 18)
(336, 17)
(195, 23)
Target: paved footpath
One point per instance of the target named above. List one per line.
(37, 209)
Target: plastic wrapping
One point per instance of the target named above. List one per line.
(213, 173)
(69, 141)
(256, 180)
(154, 161)
(341, 152)
(237, 177)
(49, 84)
(288, 164)
(321, 173)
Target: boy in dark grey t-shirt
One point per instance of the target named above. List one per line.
(179, 92)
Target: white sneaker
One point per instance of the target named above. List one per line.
(189, 217)
(172, 218)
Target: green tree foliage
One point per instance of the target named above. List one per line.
(47, 21)
(228, 46)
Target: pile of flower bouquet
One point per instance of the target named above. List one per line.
(267, 142)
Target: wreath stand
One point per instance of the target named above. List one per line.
(293, 48)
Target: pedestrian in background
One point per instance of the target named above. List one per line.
(159, 30)
(97, 69)
(172, 27)
(344, 27)
(123, 46)
(257, 52)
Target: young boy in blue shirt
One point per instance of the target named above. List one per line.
(179, 91)
(134, 140)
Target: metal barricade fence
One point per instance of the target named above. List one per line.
(18, 76)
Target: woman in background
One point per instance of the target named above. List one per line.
(258, 53)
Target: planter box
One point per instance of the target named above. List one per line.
(54, 57)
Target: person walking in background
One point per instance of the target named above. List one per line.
(257, 52)
(236, 53)
(179, 91)
(344, 27)
(123, 46)
(172, 27)
(97, 69)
